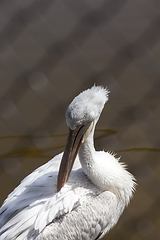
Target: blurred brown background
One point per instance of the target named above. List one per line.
(52, 50)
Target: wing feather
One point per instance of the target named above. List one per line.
(34, 203)
(88, 221)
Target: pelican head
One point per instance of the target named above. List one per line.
(86, 107)
(81, 117)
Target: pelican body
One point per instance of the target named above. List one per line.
(79, 194)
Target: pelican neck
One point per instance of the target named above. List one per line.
(87, 153)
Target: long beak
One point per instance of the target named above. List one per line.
(75, 139)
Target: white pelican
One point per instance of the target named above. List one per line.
(85, 205)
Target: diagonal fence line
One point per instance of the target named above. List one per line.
(21, 18)
(90, 19)
(58, 50)
(61, 49)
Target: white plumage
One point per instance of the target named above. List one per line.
(88, 203)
